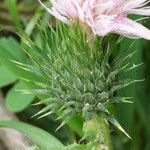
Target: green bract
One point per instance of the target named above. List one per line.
(74, 73)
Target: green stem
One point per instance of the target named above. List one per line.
(97, 132)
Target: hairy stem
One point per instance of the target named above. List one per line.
(97, 132)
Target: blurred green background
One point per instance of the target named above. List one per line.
(17, 16)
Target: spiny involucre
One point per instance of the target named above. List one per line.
(103, 16)
(71, 77)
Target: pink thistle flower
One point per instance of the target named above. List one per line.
(105, 16)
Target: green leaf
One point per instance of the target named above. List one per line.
(116, 124)
(120, 100)
(76, 124)
(32, 148)
(71, 147)
(36, 135)
(133, 90)
(75, 147)
(9, 50)
(12, 7)
(11, 46)
(32, 23)
(6, 76)
(15, 100)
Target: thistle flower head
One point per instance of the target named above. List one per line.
(103, 16)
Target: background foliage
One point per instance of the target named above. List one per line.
(22, 16)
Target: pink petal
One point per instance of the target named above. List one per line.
(138, 7)
(131, 29)
(142, 11)
(54, 13)
(129, 4)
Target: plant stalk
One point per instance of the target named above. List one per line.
(97, 132)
